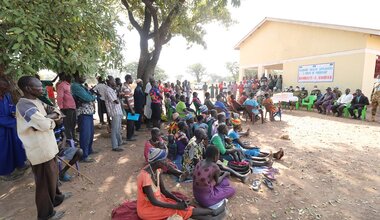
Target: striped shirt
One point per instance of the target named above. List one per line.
(113, 109)
(128, 96)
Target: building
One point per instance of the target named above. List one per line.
(308, 54)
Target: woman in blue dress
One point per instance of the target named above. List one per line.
(12, 153)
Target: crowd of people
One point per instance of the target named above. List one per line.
(203, 142)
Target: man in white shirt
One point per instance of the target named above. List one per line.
(100, 89)
(341, 103)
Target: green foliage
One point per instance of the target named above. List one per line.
(65, 35)
(233, 68)
(160, 20)
(131, 68)
(198, 70)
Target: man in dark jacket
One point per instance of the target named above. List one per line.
(139, 98)
(358, 102)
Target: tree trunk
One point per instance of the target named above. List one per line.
(14, 90)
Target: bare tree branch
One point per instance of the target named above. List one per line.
(132, 19)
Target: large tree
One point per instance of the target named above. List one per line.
(65, 35)
(157, 21)
(131, 68)
(233, 68)
(197, 70)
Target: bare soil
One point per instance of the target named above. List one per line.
(330, 171)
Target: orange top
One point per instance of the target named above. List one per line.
(146, 210)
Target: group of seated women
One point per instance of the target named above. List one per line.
(199, 151)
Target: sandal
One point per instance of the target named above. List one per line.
(268, 183)
(256, 185)
(270, 175)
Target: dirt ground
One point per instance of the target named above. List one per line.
(330, 171)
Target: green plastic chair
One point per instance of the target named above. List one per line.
(346, 113)
(308, 102)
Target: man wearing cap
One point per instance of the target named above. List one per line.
(316, 92)
(337, 92)
(303, 93)
(324, 101)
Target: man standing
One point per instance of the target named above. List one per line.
(12, 153)
(114, 110)
(100, 90)
(139, 98)
(375, 97)
(66, 104)
(156, 97)
(358, 102)
(35, 124)
(342, 102)
(129, 106)
(85, 112)
(148, 107)
(205, 87)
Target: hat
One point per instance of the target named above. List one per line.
(189, 116)
(156, 154)
(328, 89)
(203, 109)
(236, 122)
(175, 115)
(138, 81)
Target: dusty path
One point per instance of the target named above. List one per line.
(330, 171)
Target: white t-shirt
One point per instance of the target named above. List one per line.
(101, 88)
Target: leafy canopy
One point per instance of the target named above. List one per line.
(233, 69)
(65, 35)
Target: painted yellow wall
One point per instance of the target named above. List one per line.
(275, 41)
(373, 42)
(348, 71)
(368, 73)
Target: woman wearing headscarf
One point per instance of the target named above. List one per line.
(155, 202)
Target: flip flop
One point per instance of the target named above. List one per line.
(256, 185)
(268, 183)
(270, 175)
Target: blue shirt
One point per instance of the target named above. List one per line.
(219, 104)
(253, 103)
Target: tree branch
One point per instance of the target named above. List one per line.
(169, 19)
(153, 13)
(132, 19)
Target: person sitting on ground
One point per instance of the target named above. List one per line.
(181, 138)
(325, 101)
(220, 119)
(190, 124)
(253, 103)
(210, 121)
(173, 126)
(253, 153)
(194, 152)
(181, 107)
(70, 153)
(358, 102)
(211, 186)
(155, 202)
(208, 102)
(341, 103)
(224, 144)
(156, 141)
(268, 103)
(221, 106)
(200, 124)
(242, 98)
